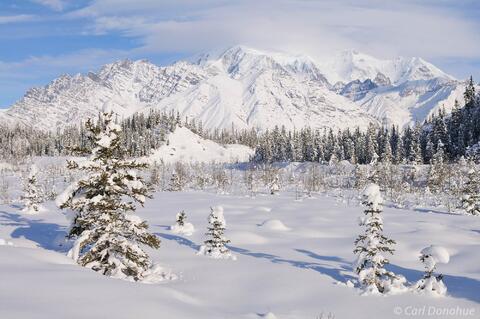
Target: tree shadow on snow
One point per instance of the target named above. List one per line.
(334, 271)
(433, 211)
(47, 235)
(457, 286)
(180, 240)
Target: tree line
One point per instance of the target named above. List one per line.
(457, 133)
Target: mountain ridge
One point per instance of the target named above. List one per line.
(248, 88)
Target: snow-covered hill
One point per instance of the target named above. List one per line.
(249, 88)
(185, 146)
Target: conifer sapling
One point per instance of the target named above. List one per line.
(372, 246)
(431, 283)
(215, 245)
(181, 226)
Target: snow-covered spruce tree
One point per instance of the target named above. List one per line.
(179, 178)
(32, 195)
(215, 245)
(431, 283)
(175, 184)
(471, 193)
(371, 247)
(107, 235)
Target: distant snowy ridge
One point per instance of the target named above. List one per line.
(249, 88)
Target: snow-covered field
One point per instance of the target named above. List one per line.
(293, 258)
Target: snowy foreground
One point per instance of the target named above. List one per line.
(293, 259)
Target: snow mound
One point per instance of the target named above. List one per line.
(187, 229)
(247, 238)
(268, 315)
(4, 242)
(274, 224)
(438, 253)
(185, 146)
(216, 253)
(157, 274)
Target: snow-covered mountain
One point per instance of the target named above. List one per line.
(247, 88)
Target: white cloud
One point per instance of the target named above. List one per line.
(16, 18)
(56, 5)
(51, 66)
(317, 28)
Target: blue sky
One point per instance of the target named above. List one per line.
(41, 39)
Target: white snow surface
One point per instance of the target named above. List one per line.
(187, 229)
(185, 146)
(274, 224)
(297, 274)
(247, 88)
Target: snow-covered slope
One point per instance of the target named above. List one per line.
(411, 101)
(185, 146)
(248, 88)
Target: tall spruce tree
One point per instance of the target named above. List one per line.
(107, 235)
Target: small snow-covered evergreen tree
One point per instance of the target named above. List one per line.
(471, 193)
(32, 195)
(181, 226)
(215, 245)
(107, 235)
(181, 217)
(372, 245)
(431, 283)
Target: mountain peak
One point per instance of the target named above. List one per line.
(247, 87)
